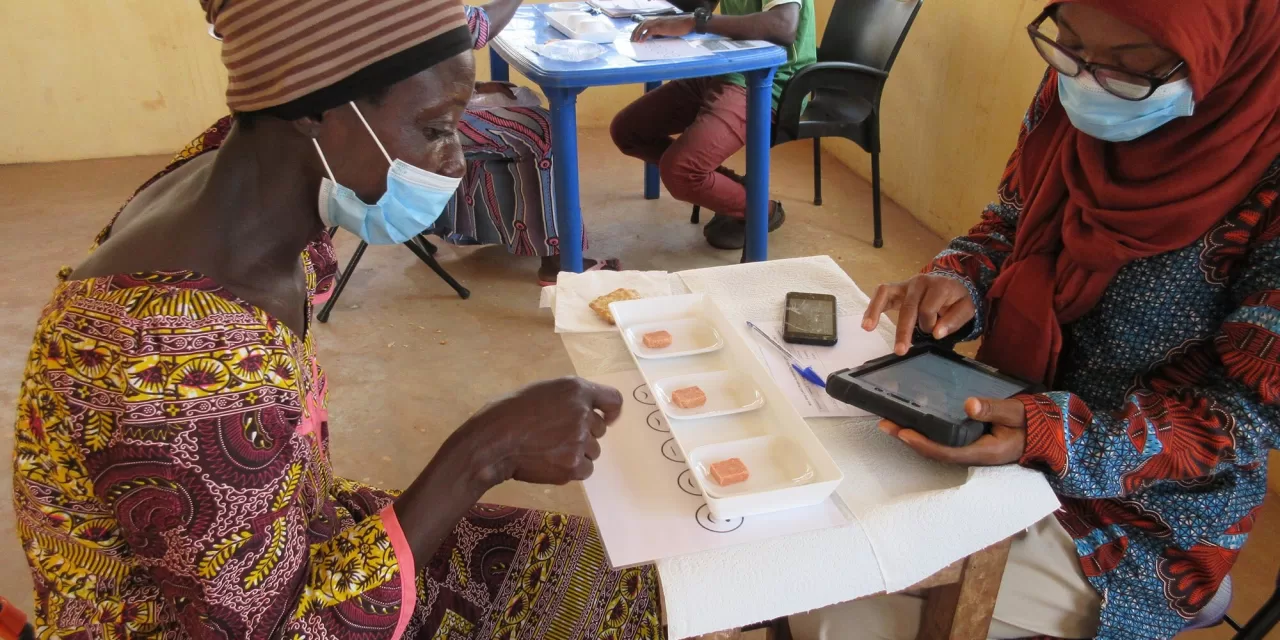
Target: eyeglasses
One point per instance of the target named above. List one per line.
(1117, 81)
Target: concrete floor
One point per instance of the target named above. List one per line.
(408, 361)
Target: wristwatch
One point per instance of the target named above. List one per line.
(701, 16)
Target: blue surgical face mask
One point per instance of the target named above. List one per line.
(414, 199)
(1107, 117)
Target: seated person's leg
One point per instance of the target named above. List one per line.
(691, 167)
(1044, 592)
(506, 569)
(643, 129)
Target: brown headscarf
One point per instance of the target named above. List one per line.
(1090, 207)
(300, 57)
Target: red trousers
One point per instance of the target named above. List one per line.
(710, 116)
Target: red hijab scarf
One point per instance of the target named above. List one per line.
(1091, 207)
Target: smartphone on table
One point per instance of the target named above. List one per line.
(810, 319)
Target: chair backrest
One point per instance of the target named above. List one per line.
(868, 32)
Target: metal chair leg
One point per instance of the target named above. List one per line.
(693, 219)
(426, 256)
(341, 284)
(428, 245)
(817, 171)
(1263, 621)
(875, 197)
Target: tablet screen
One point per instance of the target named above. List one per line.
(939, 386)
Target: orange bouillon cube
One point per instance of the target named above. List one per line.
(727, 472)
(688, 398)
(657, 339)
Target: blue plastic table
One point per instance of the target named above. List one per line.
(563, 81)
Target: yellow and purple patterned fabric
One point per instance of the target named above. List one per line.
(172, 480)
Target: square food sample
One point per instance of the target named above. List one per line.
(657, 339)
(601, 305)
(727, 472)
(688, 398)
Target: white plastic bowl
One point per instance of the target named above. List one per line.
(727, 393)
(689, 336)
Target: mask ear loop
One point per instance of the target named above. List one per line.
(324, 161)
(371, 133)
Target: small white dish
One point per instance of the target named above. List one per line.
(773, 463)
(689, 336)
(571, 50)
(580, 25)
(727, 393)
(567, 6)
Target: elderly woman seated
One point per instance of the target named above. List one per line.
(172, 471)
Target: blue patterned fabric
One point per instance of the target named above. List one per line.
(1165, 407)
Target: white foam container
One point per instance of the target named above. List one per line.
(789, 467)
(690, 336)
(727, 392)
(580, 25)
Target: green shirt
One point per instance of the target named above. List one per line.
(802, 53)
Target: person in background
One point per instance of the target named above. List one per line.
(172, 470)
(710, 114)
(1132, 264)
(506, 195)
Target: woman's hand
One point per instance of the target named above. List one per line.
(1004, 445)
(937, 304)
(672, 26)
(545, 433)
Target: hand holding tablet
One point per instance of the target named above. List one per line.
(944, 405)
(1003, 444)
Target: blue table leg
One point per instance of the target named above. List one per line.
(759, 128)
(498, 69)
(652, 183)
(564, 147)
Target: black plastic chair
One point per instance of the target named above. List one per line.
(420, 246)
(844, 86)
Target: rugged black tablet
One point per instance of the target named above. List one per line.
(925, 390)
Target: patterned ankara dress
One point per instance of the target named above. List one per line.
(506, 195)
(1156, 437)
(172, 480)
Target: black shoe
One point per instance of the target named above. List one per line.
(729, 233)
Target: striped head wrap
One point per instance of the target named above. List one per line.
(293, 58)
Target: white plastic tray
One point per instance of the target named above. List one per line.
(789, 467)
(580, 25)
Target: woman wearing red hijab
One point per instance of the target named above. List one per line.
(1132, 264)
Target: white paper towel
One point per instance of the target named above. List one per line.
(737, 586)
(915, 516)
(920, 515)
(757, 290)
(570, 298)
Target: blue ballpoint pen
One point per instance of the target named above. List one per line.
(805, 372)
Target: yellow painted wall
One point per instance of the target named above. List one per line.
(952, 107)
(94, 78)
(88, 79)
